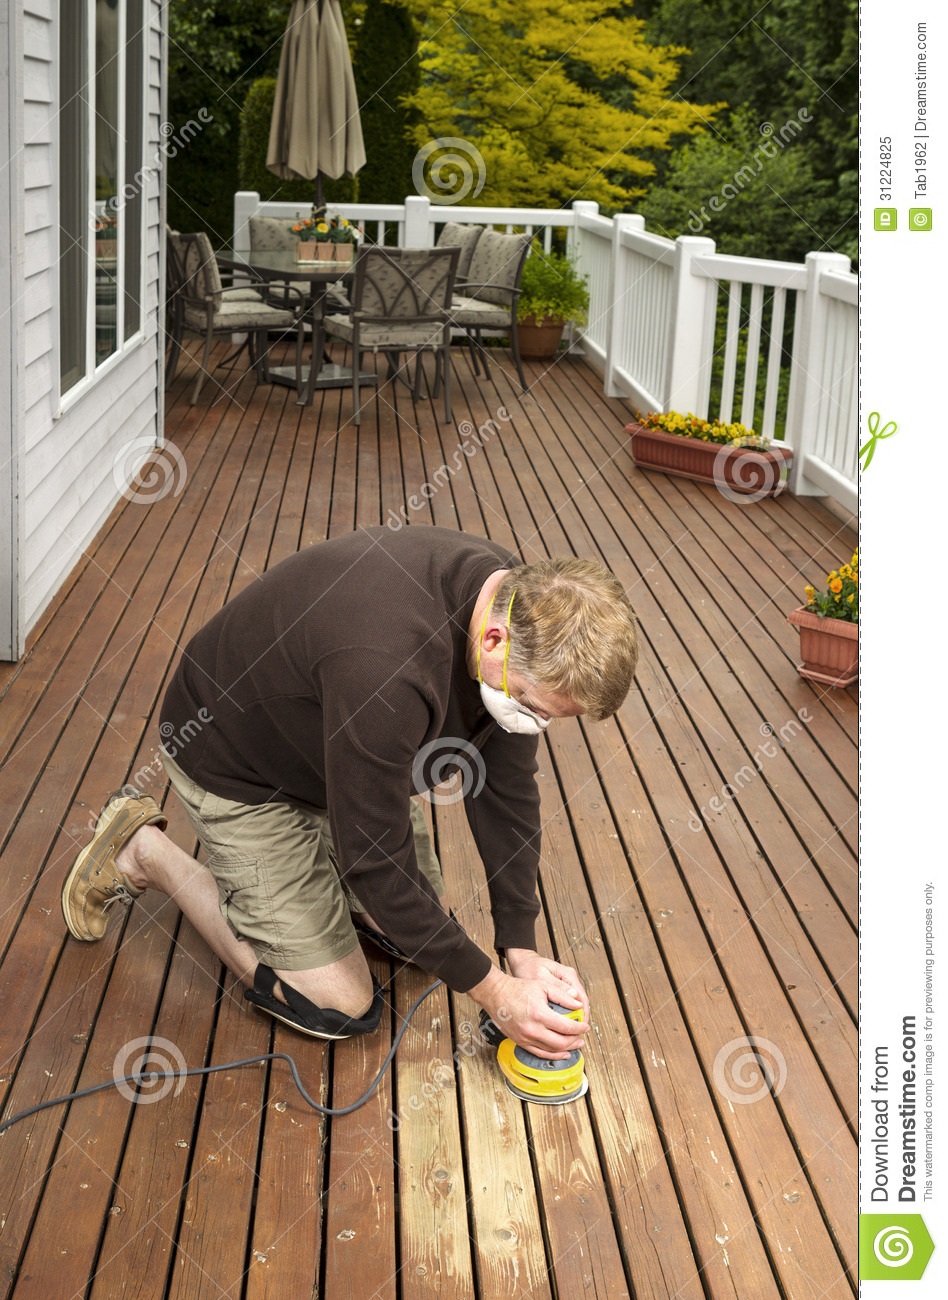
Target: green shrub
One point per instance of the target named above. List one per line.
(552, 286)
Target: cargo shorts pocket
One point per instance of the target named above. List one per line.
(239, 892)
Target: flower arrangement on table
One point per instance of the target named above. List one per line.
(690, 426)
(326, 237)
(841, 599)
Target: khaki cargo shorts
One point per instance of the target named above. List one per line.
(277, 875)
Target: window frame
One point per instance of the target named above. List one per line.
(86, 108)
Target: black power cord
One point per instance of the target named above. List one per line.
(152, 1076)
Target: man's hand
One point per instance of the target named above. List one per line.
(562, 982)
(518, 1005)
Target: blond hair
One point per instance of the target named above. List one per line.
(572, 631)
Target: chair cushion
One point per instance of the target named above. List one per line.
(238, 316)
(241, 295)
(407, 337)
(201, 275)
(455, 235)
(497, 264)
(272, 235)
(471, 313)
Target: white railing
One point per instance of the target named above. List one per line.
(653, 331)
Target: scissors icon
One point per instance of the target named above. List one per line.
(874, 421)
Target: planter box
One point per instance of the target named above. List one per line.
(539, 339)
(829, 646)
(744, 471)
(344, 252)
(306, 250)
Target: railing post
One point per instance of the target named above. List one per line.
(615, 325)
(586, 207)
(246, 203)
(418, 222)
(809, 342)
(691, 331)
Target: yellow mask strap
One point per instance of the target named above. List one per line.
(507, 649)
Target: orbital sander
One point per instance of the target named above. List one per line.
(534, 1078)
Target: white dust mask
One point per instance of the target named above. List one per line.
(513, 717)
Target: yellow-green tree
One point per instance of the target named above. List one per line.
(517, 80)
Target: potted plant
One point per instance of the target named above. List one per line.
(829, 628)
(552, 292)
(739, 462)
(343, 237)
(305, 230)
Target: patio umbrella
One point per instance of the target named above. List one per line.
(315, 129)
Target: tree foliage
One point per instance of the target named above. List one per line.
(769, 62)
(746, 189)
(495, 75)
(387, 74)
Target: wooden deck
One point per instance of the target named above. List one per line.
(680, 1174)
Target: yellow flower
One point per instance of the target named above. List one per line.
(845, 571)
(836, 586)
(322, 227)
(810, 592)
(831, 576)
(849, 599)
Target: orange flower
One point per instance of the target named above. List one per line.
(836, 586)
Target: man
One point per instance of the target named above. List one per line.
(300, 721)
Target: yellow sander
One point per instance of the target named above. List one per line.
(534, 1078)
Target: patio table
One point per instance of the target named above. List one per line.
(271, 266)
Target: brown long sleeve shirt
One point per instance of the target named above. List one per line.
(338, 679)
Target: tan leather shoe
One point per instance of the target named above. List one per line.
(94, 882)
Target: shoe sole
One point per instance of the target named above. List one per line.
(301, 1029)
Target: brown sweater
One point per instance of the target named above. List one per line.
(325, 679)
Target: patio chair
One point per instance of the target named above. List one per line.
(199, 301)
(491, 292)
(455, 235)
(401, 302)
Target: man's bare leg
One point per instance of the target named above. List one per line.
(151, 860)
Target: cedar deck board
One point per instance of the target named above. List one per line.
(538, 1203)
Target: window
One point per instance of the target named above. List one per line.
(101, 123)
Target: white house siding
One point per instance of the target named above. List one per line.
(67, 473)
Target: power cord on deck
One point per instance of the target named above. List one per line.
(152, 1076)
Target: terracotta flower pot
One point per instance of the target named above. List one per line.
(306, 250)
(105, 248)
(326, 252)
(343, 252)
(539, 339)
(829, 646)
(736, 471)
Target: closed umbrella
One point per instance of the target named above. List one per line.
(315, 129)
